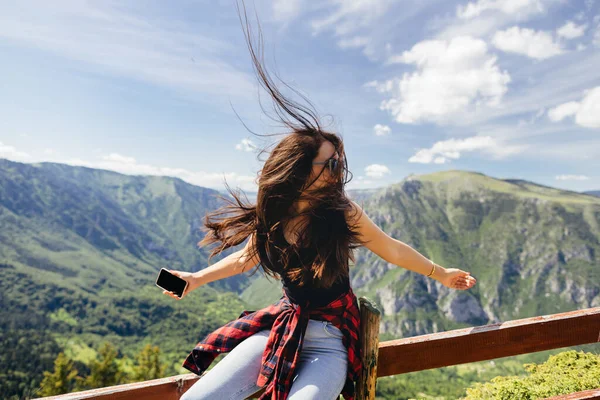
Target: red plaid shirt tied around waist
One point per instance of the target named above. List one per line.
(287, 322)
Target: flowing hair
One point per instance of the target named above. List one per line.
(282, 181)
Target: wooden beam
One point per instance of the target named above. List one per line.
(369, 343)
(418, 353)
(170, 388)
(487, 342)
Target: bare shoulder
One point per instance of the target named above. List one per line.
(249, 257)
(355, 215)
(373, 236)
(353, 212)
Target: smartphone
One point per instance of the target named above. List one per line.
(170, 282)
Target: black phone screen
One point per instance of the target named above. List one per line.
(168, 281)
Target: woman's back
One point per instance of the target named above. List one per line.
(314, 295)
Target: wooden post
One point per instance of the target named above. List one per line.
(369, 342)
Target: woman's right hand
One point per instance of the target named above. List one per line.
(186, 276)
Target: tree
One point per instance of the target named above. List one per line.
(148, 365)
(62, 380)
(105, 371)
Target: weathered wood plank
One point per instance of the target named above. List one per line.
(369, 343)
(435, 350)
(487, 342)
(170, 388)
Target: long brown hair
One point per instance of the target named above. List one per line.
(282, 181)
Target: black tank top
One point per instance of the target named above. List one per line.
(314, 296)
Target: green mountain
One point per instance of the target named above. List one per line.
(100, 230)
(593, 193)
(80, 249)
(532, 248)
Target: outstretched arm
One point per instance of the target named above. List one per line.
(233, 264)
(399, 253)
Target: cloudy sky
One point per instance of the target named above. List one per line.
(508, 88)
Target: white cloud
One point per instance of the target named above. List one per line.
(351, 15)
(477, 27)
(362, 182)
(382, 130)
(11, 153)
(363, 24)
(115, 157)
(376, 171)
(532, 120)
(482, 18)
(451, 149)
(586, 112)
(127, 43)
(354, 42)
(564, 110)
(538, 45)
(451, 77)
(571, 30)
(589, 112)
(245, 145)
(380, 87)
(567, 74)
(286, 10)
(572, 178)
(367, 25)
(518, 7)
(130, 166)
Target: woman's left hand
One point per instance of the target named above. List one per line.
(455, 278)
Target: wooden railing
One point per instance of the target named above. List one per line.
(415, 353)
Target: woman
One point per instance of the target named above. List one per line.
(302, 230)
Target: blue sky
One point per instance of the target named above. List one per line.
(506, 88)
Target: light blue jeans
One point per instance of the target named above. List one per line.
(320, 374)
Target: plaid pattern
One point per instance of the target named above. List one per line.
(287, 322)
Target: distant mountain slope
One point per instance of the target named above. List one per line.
(533, 249)
(84, 225)
(593, 193)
